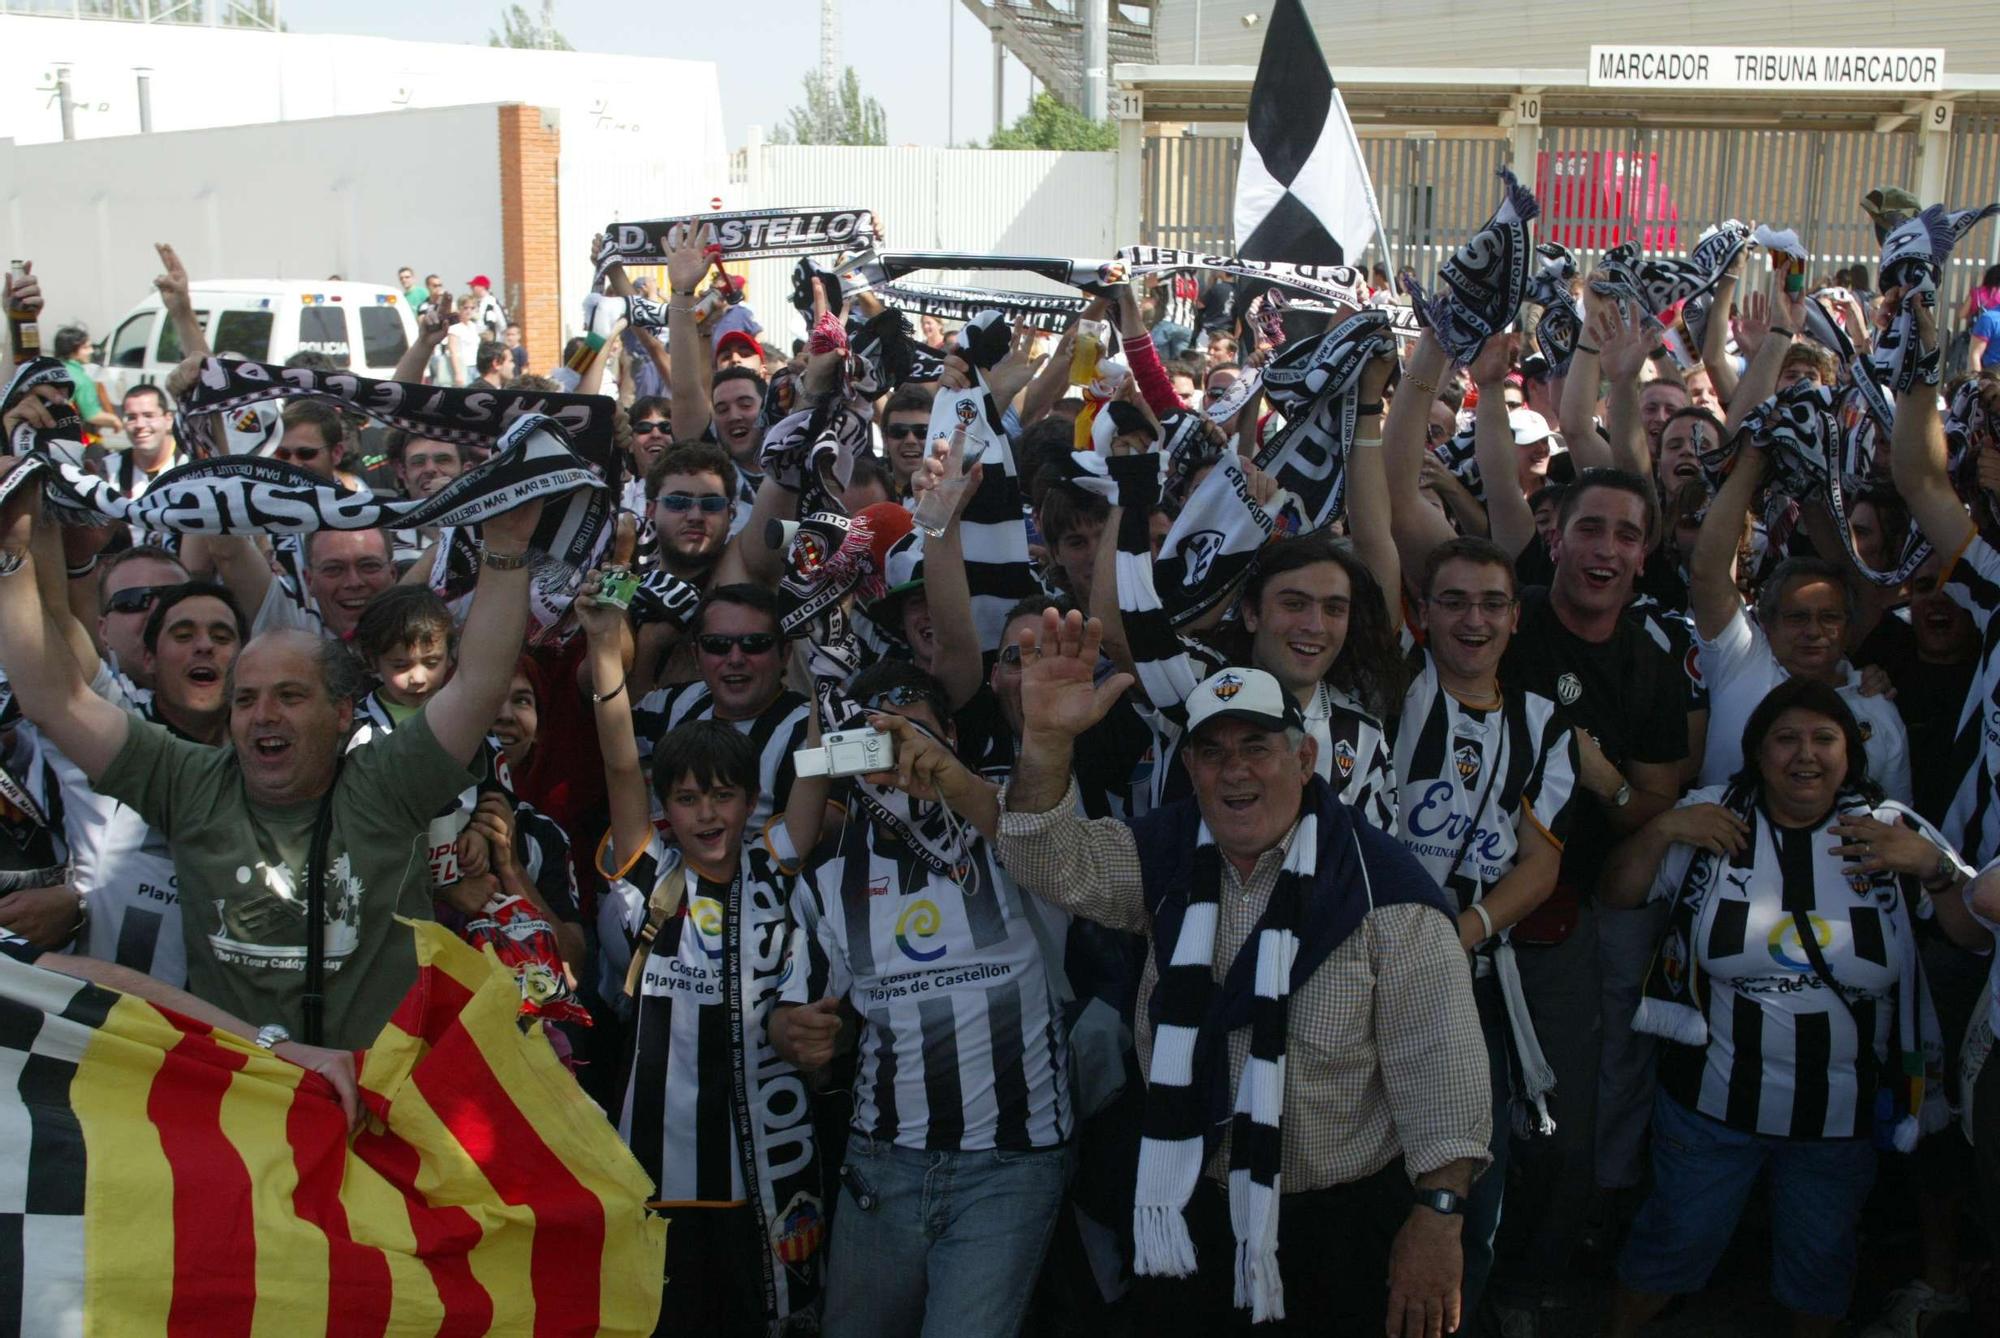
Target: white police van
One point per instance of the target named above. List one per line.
(363, 327)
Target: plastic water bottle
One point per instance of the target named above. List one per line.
(936, 507)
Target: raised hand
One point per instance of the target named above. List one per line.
(1494, 360)
(597, 618)
(1628, 341)
(23, 291)
(686, 263)
(1060, 696)
(1753, 323)
(173, 281)
(510, 531)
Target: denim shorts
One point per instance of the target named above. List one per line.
(1703, 1172)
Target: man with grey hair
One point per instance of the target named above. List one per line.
(298, 860)
(1804, 609)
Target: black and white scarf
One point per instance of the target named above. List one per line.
(744, 234)
(1969, 428)
(1051, 312)
(1485, 281)
(1338, 286)
(1560, 324)
(1314, 384)
(64, 439)
(1176, 1125)
(1913, 259)
(1800, 431)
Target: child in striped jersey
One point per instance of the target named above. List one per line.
(694, 930)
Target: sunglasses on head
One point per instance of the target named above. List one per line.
(138, 599)
(903, 694)
(720, 643)
(901, 431)
(711, 503)
(649, 426)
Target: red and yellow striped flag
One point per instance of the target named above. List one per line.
(157, 1177)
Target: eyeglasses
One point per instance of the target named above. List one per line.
(901, 431)
(1010, 655)
(649, 426)
(1798, 620)
(721, 643)
(294, 455)
(904, 694)
(1452, 602)
(137, 599)
(711, 503)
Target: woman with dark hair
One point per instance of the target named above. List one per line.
(1789, 985)
(1985, 297)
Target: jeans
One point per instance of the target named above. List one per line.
(970, 1227)
(1703, 1171)
(1626, 943)
(1482, 1206)
(1171, 339)
(1555, 1178)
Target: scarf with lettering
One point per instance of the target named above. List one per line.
(1178, 1124)
(1339, 286)
(1969, 427)
(1485, 281)
(744, 234)
(1913, 259)
(1673, 1002)
(1800, 431)
(1315, 384)
(64, 438)
(1560, 324)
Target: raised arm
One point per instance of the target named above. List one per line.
(1416, 527)
(1917, 460)
(175, 297)
(1761, 320)
(1628, 339)
(690, 370)
(1712, 591)
(490, 642)
(1508, 519)
(1368, 508)
(624, 779)
(956, 662)
(45, 677)
(432, 327)
(1715, 336)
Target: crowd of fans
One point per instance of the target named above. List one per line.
(1524, 869)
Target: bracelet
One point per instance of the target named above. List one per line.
(11, 562)
(1368, 441)
(1781, 330)
(1942, 873)
(1484, 919)
(83, 568)
(1372, 409)
(1419, 383)
(602, 697)
(503, 561)
(1582, 347)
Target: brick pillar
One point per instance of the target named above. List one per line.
(530, 142)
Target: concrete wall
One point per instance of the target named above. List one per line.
(301, 200)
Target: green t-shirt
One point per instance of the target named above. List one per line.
(84, 396)
(241, 867)
(416, 295)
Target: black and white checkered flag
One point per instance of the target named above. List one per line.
(1302, 192)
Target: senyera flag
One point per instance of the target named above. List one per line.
(164, 1178)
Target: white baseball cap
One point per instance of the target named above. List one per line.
(1529, 427)
(1243, 694)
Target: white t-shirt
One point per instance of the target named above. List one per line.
(1740, 671)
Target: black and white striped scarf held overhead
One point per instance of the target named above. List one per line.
(1800, 431)
(1913, 259)
(744, 234)
(1482, 285)
(1560, 323)
(1315, 384)
(1177, 1123)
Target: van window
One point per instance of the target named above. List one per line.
(169, 351)
(128, 346)
(245, 333)
(324, 330)
(383, 342)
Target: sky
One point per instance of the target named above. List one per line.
(762, 50)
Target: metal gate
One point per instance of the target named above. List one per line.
(1598, 186)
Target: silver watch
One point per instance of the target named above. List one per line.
(272, 1035)
(1623, 795)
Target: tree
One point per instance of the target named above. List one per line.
(1051, 123)
(829, 117)
(520, 29)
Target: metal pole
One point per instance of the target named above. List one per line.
(1096, 58)
(999, 83)
(951, 74)
(64, 102)
(145, 101)
(1197, 32)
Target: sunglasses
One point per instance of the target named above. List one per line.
(711, 503)
(720, 643)
(650, 426)
(904, 695)
(138, 599)
(902, 431)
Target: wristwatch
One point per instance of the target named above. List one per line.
(272, 1035)
(1442, 1201)
(1622, 795)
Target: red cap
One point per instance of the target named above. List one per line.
(743, 337)
(479, 281)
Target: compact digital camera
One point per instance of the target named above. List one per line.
(847, 752)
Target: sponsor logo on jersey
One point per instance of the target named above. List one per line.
(1789, 951)
(919, 922)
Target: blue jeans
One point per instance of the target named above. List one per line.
(970, 1226)
(1703, 1172)
(1482, 1206)
(1171, 339)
